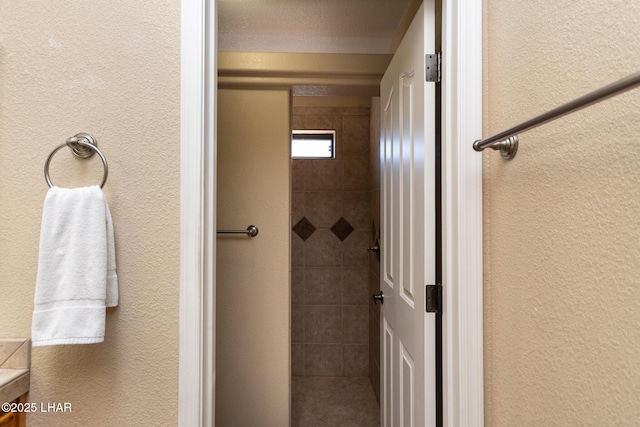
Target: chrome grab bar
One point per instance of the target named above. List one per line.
(251, 231)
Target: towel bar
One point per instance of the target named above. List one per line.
(251, 231)
(507, 141)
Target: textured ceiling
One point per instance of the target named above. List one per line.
(317, 26)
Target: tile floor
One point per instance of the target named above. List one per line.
(333, 402)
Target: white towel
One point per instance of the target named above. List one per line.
(76, 278)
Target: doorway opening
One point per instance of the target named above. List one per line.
(464, 262)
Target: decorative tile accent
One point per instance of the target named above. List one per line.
(342, 229)
(304, 228)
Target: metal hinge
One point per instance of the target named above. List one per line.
(434, 298)
(433, 67)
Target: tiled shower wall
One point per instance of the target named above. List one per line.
(331, 232)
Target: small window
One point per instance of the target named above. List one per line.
(313, 144)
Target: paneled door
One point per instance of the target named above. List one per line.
(408, 377)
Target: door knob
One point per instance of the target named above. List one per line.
(378, 297)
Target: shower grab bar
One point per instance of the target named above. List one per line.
(251, 231)
(507, 141)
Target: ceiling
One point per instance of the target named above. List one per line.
(313, 26)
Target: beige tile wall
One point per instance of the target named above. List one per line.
(330, 276)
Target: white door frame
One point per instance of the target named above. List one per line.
(463, 381)
(198, 81)
(462, 213)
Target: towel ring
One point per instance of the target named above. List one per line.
(83, 145)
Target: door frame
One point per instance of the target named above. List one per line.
(198, 81)
(461, 204)
(462, 334)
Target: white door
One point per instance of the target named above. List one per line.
(408, 226)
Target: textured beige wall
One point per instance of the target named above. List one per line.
(562, 223)
(110, 69)
(253, 286)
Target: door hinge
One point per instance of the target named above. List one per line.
(434, 298)
(433, 67)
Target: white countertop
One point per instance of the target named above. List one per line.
(15, 361)
(9, 375)
(13, 383)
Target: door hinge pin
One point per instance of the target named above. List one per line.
(434, 298)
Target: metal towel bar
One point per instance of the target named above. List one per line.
(251, 231)
(507, 141)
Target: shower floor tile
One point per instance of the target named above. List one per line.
(333, 401)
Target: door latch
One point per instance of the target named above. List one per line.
(434, 298)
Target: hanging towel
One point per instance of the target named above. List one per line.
(76, 278)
